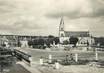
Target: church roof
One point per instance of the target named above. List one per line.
(77, 33)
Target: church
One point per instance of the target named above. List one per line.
(84, 37)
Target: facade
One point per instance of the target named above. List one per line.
(83, 36)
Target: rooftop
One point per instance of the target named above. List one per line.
(77, 33)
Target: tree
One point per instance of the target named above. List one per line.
(35, 42)
(73, 40)
(50, 39)
(65, 42)
(41, 41)
(56, 39)
(30, 42)
(38, 43)
(50, 36)
(100, 41)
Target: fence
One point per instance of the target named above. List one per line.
(21, 55)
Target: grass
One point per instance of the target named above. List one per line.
(60, 55)
(79, 67)
(17, 68)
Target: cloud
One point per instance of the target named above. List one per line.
(77, 9)
(20, 15)
(6, 6)
(42, 17)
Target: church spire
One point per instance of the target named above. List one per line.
(61, 30)
(61, 27)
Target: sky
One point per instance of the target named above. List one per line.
(42, 17)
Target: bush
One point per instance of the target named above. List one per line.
(65, 42)
(73, 40)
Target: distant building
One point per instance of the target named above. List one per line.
(83, 36)
(18, 40)
(15, 39)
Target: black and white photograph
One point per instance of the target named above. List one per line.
(51, 36)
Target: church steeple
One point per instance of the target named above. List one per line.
(61, 28)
